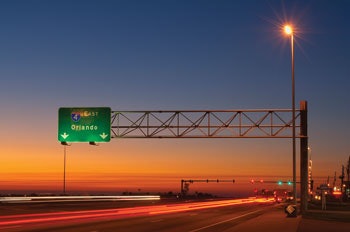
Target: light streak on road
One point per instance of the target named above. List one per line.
(77, 198)
(206, 205)
(108, 214)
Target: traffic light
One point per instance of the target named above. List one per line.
(279, 182)
(289, 182)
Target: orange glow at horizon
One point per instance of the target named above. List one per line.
(129, 165)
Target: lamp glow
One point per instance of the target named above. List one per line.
(288, 30)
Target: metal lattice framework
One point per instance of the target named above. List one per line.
(205, 124)
(220, 124)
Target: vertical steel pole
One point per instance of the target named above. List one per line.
(293, 122)
(64, 170)
(304, 159)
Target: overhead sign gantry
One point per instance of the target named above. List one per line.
(101, 124)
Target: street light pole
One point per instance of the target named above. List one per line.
(289, 31)
(293, 115)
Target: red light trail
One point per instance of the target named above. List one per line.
(108, 214)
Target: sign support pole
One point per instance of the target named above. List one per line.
(304, 159)
(65, 144)
(64, 171)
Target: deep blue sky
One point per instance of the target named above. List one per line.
(158, 55)
(187, 54)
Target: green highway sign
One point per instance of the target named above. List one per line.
(80, 124)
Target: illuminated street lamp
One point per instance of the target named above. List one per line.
(289, 31)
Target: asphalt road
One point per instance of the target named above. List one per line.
(219, 219)
(185, 216)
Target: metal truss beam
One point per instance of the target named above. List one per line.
(269, 123)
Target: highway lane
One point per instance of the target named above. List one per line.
(188, 216)
(209, 220)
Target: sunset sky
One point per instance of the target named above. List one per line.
(167, 55)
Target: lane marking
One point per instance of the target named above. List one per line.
(231, 219)
(159, 220)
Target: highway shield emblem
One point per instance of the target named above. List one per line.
(75, 116)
